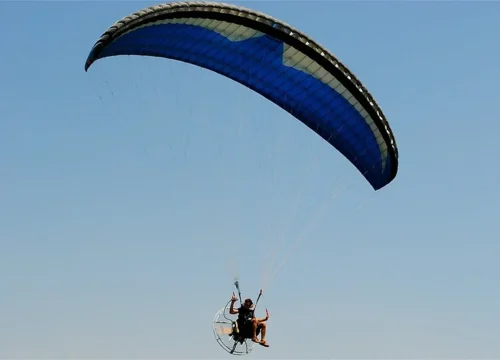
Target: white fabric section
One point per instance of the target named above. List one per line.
(231, 31)
(299, 61)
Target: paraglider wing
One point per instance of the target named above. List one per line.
(273, 59)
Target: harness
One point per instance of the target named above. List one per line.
(245, 315)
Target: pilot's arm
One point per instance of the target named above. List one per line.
(232, 310)
(264, 319)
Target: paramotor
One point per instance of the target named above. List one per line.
(225, 332)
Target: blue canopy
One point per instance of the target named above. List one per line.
(273, 59)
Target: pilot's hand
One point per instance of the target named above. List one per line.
(234, 298)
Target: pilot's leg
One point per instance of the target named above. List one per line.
(254, 330)
(263, 328)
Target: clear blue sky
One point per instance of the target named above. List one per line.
(128, 192)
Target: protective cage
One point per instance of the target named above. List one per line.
(226, 333)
